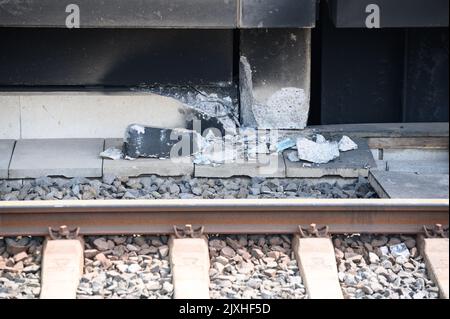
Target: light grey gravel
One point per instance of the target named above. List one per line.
(254, 267)
(382, 267)
(126, 267)
(20, 260)
(154, 187)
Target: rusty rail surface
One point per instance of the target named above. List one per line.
(280, 216)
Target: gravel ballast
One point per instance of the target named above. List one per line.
(20, 270)
(126, 267)
(187, 187)
(254, 267)
(382, 267)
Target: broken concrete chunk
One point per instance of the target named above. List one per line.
(216, 151)
(293, 157)
(319, 153)
(142, 141)
(200, 121)
(346, 144)
(320, 139)
(285, 144)
(112, 153)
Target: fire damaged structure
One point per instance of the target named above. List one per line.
(283, 59)
(93, 69)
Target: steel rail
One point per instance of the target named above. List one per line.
(280, 216)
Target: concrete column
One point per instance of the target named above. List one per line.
(275, 67)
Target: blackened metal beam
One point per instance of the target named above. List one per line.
(115, 57)
(397, 13)
(121, 13)
(278, 13)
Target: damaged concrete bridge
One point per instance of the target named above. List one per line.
(129, 75)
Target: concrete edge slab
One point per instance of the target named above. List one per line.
(34, 158)
(6, 147)
(270, 166)
(376, 185)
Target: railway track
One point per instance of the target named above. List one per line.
(189, 222)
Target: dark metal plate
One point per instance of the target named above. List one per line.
(393, 13)
(278, 13)
(115, 57)
(122, 13)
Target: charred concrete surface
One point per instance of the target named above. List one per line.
(122, 13)
(275, 78)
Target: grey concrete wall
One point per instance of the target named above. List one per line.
(82, 114)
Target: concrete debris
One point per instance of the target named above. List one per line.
(346, 144)
(217, 151)
(218, 109)
(319, 153)
(201, 121)
(112, 153)
(320, 139)
(151, 142)
(285, 144)
(212, 107)
(293, 157)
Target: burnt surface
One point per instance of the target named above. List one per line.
(277, 13)
(361, 75)
(398, 13)
(379, 75)
(121, 13)
(115, 57)
(426, 90)
(156, 142)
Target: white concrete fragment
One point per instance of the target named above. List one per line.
(293, 157)
(112, 153)
(346, 144)
(285, 144)
(319, 153)
(320, 139)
